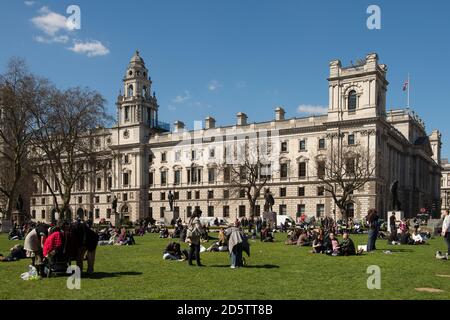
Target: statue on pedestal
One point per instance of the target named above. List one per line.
(396, 204)
(19, 204)
(114, 205)
(269, 200)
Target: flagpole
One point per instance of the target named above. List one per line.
(409, 85)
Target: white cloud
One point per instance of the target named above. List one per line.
(171, 107)
(214, 85)
(182, 99)
(55, 39)
(50, 22)
(195, 104)
(29, 3)
(91, 48)
(312, 109)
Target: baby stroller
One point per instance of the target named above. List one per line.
(57, 265)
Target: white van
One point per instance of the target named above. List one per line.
(281, 219)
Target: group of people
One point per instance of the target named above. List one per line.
(401, 235)
(232, 238)
(46, 245)
(110, 236)
(323, 240)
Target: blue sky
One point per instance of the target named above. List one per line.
(217, 57)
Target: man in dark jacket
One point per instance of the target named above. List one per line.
(347, 245)
(87, 241)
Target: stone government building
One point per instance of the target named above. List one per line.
(147, 160)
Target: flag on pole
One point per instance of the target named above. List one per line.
(406, 85)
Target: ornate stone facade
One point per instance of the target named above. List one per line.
(147, 160)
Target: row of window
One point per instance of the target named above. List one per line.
(241, 211)
(283, 148)
(95, 215)
(194, 175)
(320, 191)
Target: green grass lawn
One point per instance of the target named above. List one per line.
(275, 271)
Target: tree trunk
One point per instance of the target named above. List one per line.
(252, 207)
(344, 215)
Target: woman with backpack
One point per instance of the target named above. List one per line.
(193, 236)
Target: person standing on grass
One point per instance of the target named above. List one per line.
(193, 236)
(392, 222)
(237, 243)
(446, 230)
(34, 244)
(372, 220)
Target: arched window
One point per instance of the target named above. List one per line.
(130, 90)
(352, 100)
(350, 210)
(127, 113)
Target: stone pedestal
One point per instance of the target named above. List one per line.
(399, 215)
(271, 218)
(17, 217)
(168, 216)
(114, 219)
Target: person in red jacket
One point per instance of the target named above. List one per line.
(53, 243)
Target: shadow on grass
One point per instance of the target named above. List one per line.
(261, 266)
(102, 275)
(398, 250)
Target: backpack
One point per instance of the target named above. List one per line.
(193, 231)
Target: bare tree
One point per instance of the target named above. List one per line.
(249, 168)
(343, 171)
(20, 92)
(64, 142)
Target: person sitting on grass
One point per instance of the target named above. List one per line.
(266, 234)
(173, 252)
(405, 238)
(348, 246)
(205, 235)
(303, 239)
(141, 231)
(221, 244)
(404, 227)
(293, 237)
(317, 245)
(16, 253)
(335, 246)
(254, 232)
(125, 238)
(417, 237)
(164, 233)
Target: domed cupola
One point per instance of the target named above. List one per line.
(137, 105)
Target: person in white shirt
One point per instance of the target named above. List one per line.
(446, 230)
(417, 238)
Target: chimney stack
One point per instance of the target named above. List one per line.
(179, 126)
(279, 114)
(241, 119)
(210, 122)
